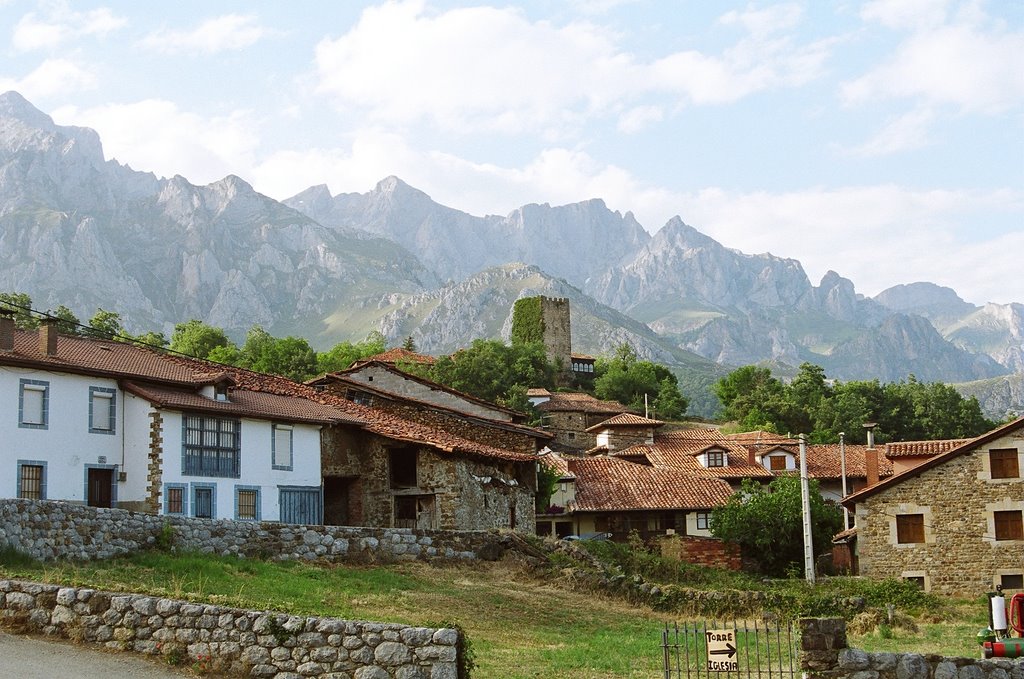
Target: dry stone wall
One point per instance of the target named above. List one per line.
(237, 641)
(49, 530)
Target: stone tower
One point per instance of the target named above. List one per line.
(557, 336)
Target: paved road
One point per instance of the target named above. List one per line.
(33, 658)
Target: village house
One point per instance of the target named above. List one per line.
(110, 424)
(489, 483)
(954, 523)
(570, 414)
(607, 495)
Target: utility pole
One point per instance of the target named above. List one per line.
(805, 511)
(842, 462)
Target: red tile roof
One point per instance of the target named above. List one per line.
(679, 450)
(921, 448)
(558, 463)
(242, 403)
(608, 484)
(825, 462)
(575, 401)
(625, 420)
(761, 438)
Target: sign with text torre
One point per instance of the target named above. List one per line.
(721, 648)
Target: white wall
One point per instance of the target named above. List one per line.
(66, 445)
(256, 468)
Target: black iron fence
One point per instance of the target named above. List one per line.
(730, 650)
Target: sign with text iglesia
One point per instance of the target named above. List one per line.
(721, 646)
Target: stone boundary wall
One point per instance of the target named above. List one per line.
(232, 640)
(825, 655)
(49, 530)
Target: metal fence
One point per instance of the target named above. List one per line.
(730, 650)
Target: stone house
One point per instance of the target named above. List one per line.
(452, 461)
(953, 523)
(111, 424)
(569, 415)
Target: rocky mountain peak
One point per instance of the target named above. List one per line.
(15, 106)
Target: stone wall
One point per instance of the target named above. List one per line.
(240, 642)
(824, 655)
(557, 331)
(506, 438)
(59, 530)
(957, 499)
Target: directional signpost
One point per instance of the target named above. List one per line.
(721, 645)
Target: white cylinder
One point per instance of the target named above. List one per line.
(998, 604)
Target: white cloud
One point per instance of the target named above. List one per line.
(764, 22)
(156, 136)
(636, 119)
(904, 133)
(483, 68)
(53, 76)
(230, 32)
(969, 61)
(905, 13)
(62, 24)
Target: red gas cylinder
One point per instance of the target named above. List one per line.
(1007, 648)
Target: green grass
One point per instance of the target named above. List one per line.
(522, 623)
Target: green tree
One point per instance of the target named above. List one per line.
(754, 398)
(805, 395)
(106, 324)
(409, 344)
(628, 380)
(290, 357)
(195, 338)
(21, 304)
(152, 339)
(490, 369)
(342, 356)
(67, 322)
(767, 522)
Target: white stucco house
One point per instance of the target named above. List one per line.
(111, 424)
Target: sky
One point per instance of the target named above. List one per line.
(881, 139)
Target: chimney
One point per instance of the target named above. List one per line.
(751, 456)
(48, 336)
(870, 426)
(871, 465)
(6, 330)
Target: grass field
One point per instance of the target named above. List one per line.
(520, 622)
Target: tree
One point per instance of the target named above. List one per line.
(342, 356)
(21, 304)
(767, 522)
(754, 398)
(490, 369)
(195, 338)
(290, 357)
(156, 340)
(628, 380)
(105, 324)
(67, 322)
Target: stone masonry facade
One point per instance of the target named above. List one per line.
(154, 470)
(957, 500)
(49, 530)
(237, 641)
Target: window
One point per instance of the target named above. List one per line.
(716, 458)
(777, 463)
(211, 446)
(1008, 525)
(917, 580)
(1004, 463)
(281, 453)
(1012, 581)
(31, 479)
(703, 520)
(910, 529)
(403, 467)
(102, 410)
(204, 500)
(247, 503)
(34, 404)
(175, 498)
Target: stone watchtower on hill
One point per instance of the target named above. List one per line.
(546, 320)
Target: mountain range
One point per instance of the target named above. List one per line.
(79, 230)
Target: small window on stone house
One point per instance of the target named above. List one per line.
(910, 529)
(917, 580)
(1012, 580)
(1004, 463)
(1008, 525)
(403, 467)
